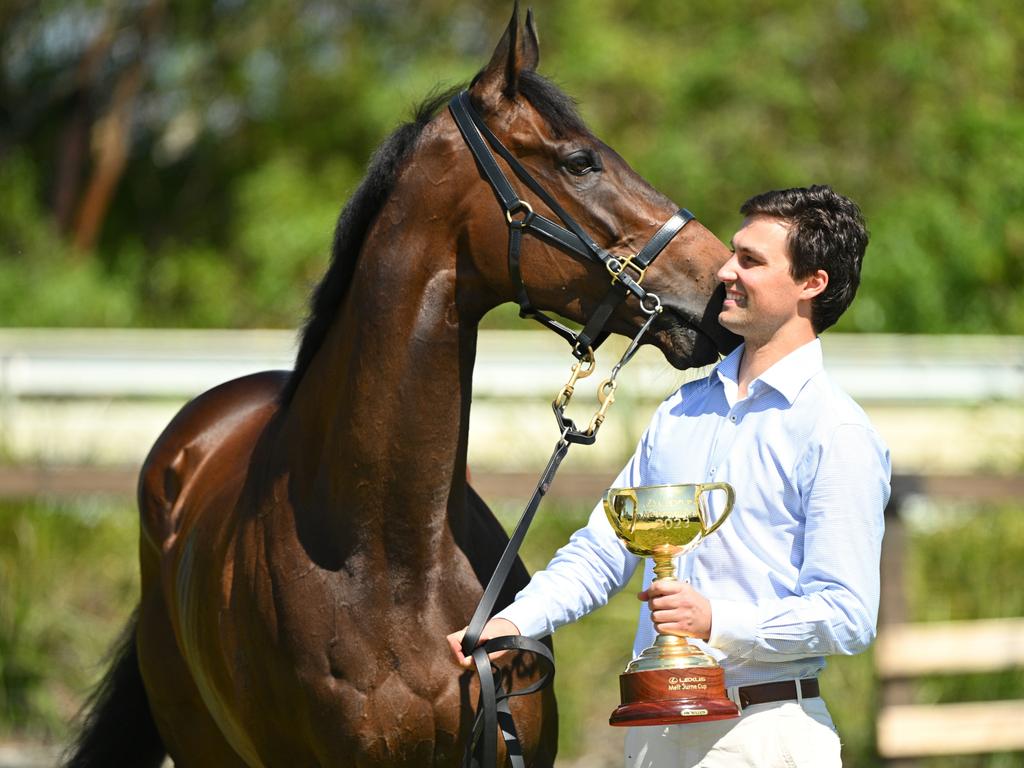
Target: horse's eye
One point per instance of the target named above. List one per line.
(581, 162)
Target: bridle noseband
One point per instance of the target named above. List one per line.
(626, 275)
(523, 219)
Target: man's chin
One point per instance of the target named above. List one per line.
(729, 322)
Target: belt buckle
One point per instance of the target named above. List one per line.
(733, 694)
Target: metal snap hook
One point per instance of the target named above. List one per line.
(580, 370)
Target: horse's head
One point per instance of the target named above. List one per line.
(613, 205)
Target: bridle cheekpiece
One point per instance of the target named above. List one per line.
(626, 272)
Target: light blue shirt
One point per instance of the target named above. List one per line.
(793, 573)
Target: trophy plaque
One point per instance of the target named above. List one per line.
(672, 681)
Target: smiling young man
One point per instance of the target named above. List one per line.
(793, 575)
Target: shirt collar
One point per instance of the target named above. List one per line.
(727, 373)
(787, 376)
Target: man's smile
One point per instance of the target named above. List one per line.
(734, 297)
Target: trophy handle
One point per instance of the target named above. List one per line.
(613, 517)
(730, 499)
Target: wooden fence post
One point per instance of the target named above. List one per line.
(893, 599)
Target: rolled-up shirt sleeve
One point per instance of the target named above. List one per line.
(835, 606)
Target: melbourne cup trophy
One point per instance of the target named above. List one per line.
(672, 681)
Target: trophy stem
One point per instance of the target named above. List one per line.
(664, 568)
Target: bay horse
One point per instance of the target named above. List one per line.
(308, 538)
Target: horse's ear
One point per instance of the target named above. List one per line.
(531, 43)
(517, 51)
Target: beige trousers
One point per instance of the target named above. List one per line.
(787, 734)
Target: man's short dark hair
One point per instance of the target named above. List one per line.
(827, 232)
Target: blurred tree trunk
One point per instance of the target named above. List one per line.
(111, 136)
(74, 138)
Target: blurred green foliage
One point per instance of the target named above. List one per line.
(68, 582)
(248, 122)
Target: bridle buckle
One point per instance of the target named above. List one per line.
(616, 266)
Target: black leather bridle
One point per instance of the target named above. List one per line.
(626, 275)
(523, 219)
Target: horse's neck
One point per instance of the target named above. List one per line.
(377, 430)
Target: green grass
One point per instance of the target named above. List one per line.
(68, 581)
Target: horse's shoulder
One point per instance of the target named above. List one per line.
(211, 433)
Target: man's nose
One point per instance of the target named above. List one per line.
(727, 272)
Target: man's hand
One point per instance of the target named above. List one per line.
(493, 628)
(678, 609)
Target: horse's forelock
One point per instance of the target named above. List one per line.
(557, 108)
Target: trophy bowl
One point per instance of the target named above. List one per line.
(672, 681)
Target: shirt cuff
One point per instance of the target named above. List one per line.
(527, 613)
(733, 627)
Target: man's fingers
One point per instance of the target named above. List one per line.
(678, 609)
(494, 628)
(662, 603)
(672, 628)
(455, 643)
(667, 587)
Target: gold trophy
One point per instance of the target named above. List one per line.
(672, 681)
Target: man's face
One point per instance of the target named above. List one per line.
(761, 295)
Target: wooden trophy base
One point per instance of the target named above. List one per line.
(668, 696)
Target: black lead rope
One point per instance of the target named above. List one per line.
(482, 750)
(493, 710)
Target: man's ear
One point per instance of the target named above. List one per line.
(518, 51)
(814, 285)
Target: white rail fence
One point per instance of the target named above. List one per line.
(100, 397)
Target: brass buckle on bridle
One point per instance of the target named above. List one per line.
(616, 266)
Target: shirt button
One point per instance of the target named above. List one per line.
(712, 471)
(732, 418)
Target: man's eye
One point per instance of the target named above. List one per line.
(581, 163)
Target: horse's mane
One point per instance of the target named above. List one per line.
(558, 109)
(353, 224)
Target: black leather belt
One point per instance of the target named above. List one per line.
(764, 693)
